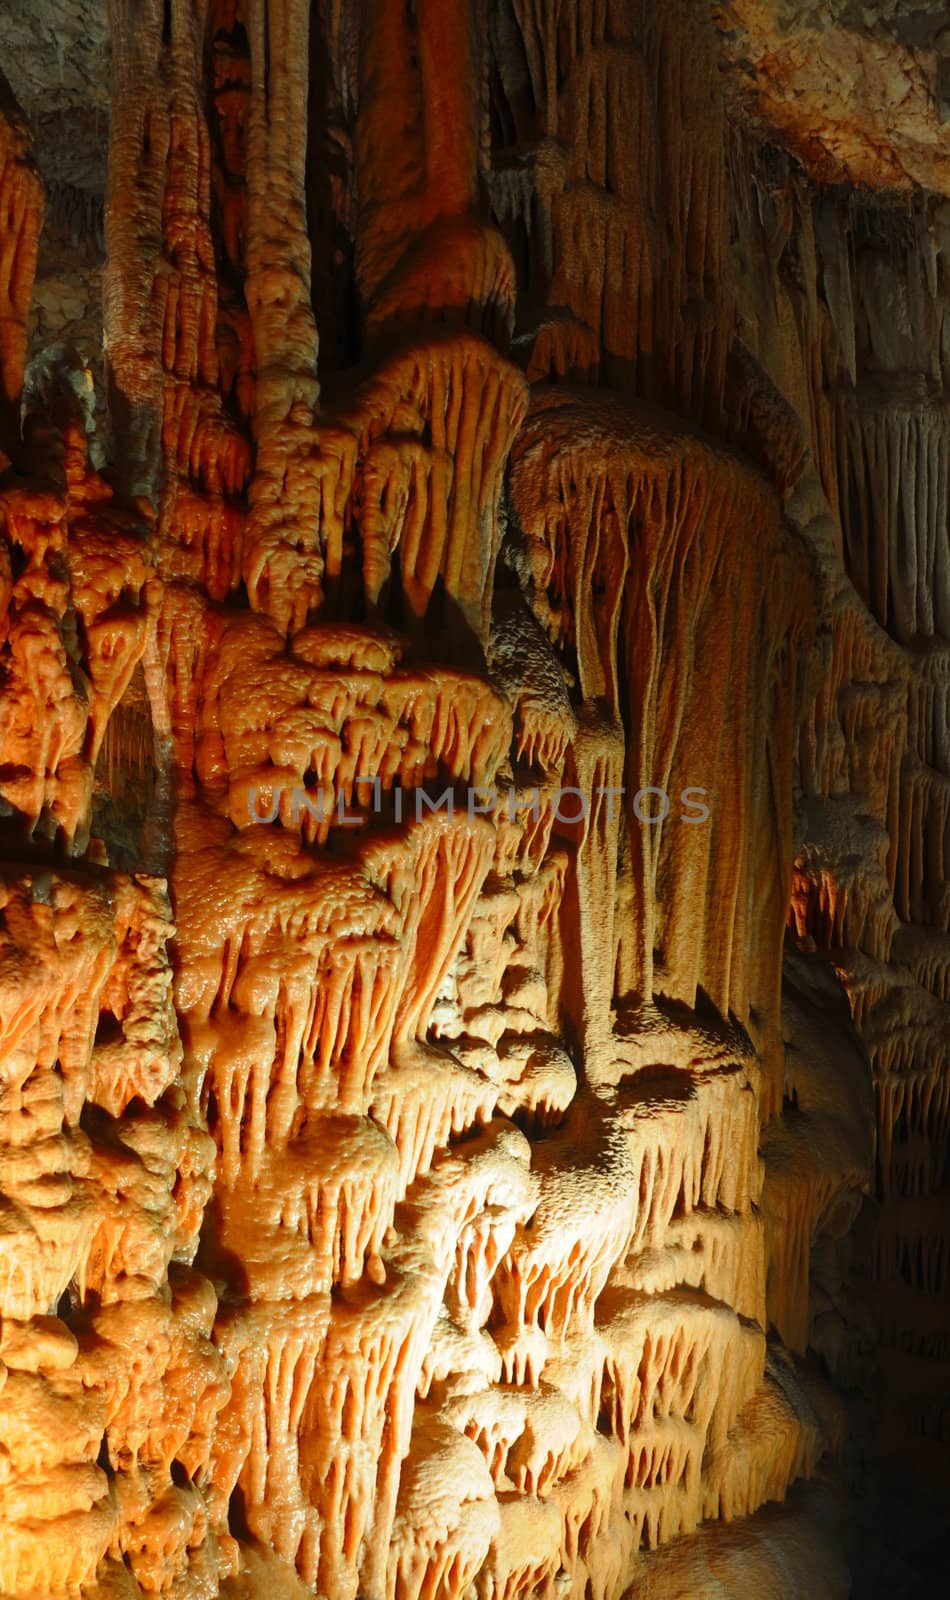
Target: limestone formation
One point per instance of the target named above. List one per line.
(474, 800)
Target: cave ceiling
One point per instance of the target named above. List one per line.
(859, 92)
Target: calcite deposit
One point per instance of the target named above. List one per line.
(474, 800)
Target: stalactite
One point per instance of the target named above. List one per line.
(449, 1179)
(420, 252)
(21, 200)
(659, 498)
(584, 178)
(283, 565)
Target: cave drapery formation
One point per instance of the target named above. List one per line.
(537, 1196)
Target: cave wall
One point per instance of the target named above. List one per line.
(475, 790)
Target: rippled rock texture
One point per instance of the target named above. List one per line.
(474, 804)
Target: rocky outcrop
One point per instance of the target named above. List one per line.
(474, 806)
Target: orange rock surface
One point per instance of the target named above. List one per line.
(475, 819)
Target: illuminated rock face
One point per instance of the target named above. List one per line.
(474, 909)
